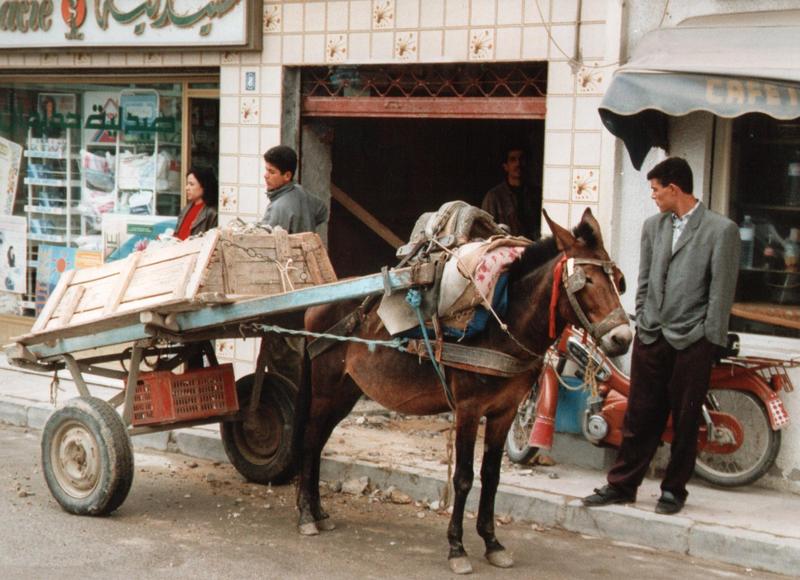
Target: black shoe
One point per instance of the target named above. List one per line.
(607, 495)
(669, 504)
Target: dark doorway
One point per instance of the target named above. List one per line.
(398, 169)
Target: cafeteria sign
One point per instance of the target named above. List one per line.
(84, 24)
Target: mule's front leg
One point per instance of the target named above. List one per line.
(466, 432)
(496, 431)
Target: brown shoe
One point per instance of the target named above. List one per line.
(607, 495)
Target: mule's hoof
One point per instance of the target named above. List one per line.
(500, 558)
(460, 565)
(325, 525)
(309, 529)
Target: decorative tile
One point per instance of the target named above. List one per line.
(249, 82)
(407, 13)
(152, 58)
(382, 14)
(336, 48)
(248, 110)
(272, 18)
(224, 347)
(405, 46)
(228, 199)
(229, 57)
(481, 44)
(337, 16)
(82, 58)
(585, 183)
(590, 80)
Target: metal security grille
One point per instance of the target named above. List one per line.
(497, 90)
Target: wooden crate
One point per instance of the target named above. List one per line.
(219, 267)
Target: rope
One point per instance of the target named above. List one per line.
(486, 302)
(54, 388)
(414, 299)
(396, 343)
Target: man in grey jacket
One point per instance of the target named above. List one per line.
(687, 280)
(290, 206)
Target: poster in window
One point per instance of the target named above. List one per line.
(124, 234)
(56, 110)
(100, 117)
(54, 261)
(10, 160)
(13, 253)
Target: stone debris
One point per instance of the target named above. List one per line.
(504, 520)
(399, 497)
(552, 475)
(356, 486)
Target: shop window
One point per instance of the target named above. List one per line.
(88, 173)
(765, 202)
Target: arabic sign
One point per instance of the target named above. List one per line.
(10, 159)
(81, 24)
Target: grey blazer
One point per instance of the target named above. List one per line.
(687, 294)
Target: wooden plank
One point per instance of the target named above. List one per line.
(125, 277)
(365, 217)
(72, 303)
(92, 275)
(203, 258)
(183, 281)
(47, 345)
(54, 300)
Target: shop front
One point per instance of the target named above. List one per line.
(719, 91)
(96, 139)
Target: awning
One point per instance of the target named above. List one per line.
(728, 64)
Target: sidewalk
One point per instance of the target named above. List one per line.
(751, 527)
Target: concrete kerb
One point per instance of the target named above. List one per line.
(736, 546)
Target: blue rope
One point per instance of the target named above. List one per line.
(414, 299)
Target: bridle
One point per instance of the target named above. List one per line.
(573, 278)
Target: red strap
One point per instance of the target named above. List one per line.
(557, 271)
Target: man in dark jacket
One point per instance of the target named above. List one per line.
(290, 206)
(687, 279)
(511, 202)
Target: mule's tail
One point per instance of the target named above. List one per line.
(302, 410)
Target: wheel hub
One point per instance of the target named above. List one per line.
(76, 461)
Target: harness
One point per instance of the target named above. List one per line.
(573, 278)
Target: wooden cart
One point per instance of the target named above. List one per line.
(86, 451)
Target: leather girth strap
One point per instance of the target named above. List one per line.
(475, 359)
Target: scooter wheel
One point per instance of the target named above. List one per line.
(519, 434)
(759, 448)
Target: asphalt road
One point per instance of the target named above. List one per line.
(188, 519)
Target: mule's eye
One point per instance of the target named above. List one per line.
(589, 280)
(621, 285)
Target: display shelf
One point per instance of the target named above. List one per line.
(50, 182)
(52, 238)
(49, 210)
(49, 155)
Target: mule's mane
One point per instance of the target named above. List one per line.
(542, 251)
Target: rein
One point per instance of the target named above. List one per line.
(569, 273)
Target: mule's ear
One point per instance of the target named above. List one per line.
(589, 219)
(564, 239)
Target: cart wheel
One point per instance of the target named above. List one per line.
(260, 447)
(87, 457)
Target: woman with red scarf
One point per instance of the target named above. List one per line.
(200, 213)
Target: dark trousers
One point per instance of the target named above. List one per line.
(663, 381)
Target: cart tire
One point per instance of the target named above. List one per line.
(87, 458)
(261, 449)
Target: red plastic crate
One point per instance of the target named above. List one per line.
(164, 397)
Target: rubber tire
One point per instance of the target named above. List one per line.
(98, 423)
(757, 428)
(519, 433)
(278, 396)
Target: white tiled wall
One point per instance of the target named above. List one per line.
(397, 31)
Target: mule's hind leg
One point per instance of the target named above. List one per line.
(327, 410)
(496, 431)
(466, 433)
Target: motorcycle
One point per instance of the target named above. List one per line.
(740, 434)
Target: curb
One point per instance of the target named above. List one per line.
(737, 546)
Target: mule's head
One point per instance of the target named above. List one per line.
(591, 285)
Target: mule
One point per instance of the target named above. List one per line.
(405, 384)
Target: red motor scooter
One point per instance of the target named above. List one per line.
(742, 417)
